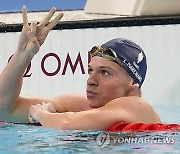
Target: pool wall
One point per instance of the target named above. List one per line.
(61, 65)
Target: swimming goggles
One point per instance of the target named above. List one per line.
(108, 54)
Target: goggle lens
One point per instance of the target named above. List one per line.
(106, 53)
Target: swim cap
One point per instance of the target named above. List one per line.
(131, 56)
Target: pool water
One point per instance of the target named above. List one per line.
(18, 138)
(36, 139)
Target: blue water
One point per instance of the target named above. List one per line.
(35, 139)
(17, 139)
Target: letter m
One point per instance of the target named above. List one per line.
(73, 67)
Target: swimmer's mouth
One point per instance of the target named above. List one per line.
(90, 94)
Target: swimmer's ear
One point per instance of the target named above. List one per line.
(134, 90)
(136, 85)
(134, 82)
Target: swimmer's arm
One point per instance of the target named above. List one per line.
(30, 40)
(70, 102)
(95, 119)
(11, 82)
(63, 103)
(11, 77)
(129, 110)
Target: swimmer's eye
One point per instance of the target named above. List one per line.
(90, 70)
(105, 72)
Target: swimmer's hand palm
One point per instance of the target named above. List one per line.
(33, 36)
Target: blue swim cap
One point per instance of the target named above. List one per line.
(132, 57)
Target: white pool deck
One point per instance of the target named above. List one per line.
(74, 15)
(103, 9)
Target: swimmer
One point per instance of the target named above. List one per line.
(113, 93)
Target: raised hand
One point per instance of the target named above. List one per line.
(34, 35)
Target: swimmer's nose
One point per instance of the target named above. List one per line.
(92, 80)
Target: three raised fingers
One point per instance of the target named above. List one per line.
(45, 20)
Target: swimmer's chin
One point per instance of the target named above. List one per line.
(93, 104)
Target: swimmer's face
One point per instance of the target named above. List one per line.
(107, 81)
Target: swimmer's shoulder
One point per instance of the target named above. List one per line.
(128, 101)
(135, 106)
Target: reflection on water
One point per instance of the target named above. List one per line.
(36, 139)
